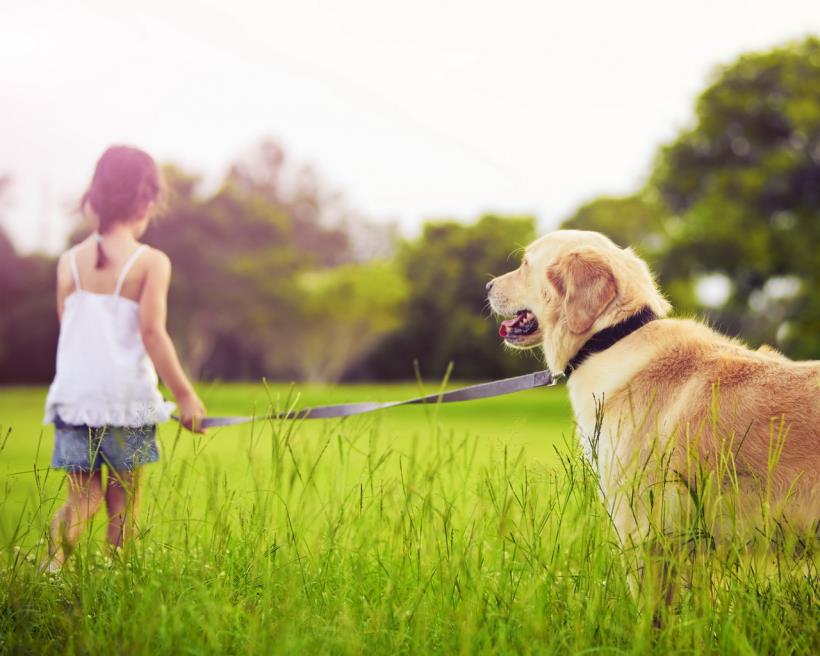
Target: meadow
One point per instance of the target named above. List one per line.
(467, 528)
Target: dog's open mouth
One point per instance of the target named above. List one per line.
(524, 324)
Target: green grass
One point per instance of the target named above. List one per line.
(471, 528)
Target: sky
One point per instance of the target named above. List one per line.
(415, 110)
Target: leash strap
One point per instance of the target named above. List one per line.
(471, 393)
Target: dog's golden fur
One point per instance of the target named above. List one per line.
(674, 402)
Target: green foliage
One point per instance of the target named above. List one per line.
(447, 318)
(745, 182)
(343, 313)
(233, 283)
(296, 192)
(738, 194)
(638, 221)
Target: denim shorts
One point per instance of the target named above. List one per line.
(86, 448)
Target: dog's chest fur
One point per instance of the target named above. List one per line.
(600, 378)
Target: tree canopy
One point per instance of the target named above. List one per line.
(738, 195)
(447, 318)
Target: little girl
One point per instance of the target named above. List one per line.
(104, 402)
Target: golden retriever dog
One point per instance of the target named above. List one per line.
(680, 422)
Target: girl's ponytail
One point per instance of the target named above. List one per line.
(126, 180)
(102, 260)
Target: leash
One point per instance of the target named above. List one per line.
(470, 393)
(600, 341)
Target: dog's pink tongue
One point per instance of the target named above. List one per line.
(506, 326)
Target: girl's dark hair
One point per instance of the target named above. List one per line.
(125, 181)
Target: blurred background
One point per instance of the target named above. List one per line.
(345, 177)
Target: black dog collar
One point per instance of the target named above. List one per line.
(605, 338)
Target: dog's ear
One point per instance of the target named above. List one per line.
(587, 285)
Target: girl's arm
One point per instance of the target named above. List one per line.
(158, 344)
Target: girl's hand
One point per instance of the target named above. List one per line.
(192, 411)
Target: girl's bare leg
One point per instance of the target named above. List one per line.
(84, 498)
(122, 502)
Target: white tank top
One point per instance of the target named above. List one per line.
(104, 376)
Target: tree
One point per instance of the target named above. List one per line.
(317, 213)
(233, 286)
(737, 196)
(744, 183)
(447, 318)
(343, 314)
(638, 220)
(28, 321)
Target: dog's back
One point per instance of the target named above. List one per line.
(752, 415)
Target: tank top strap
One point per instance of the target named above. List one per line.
(75, 273)
(127, 267)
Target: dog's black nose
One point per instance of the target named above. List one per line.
(489, 286)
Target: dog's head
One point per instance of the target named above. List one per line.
(570, 285)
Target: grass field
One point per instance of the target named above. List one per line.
(471, 528)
